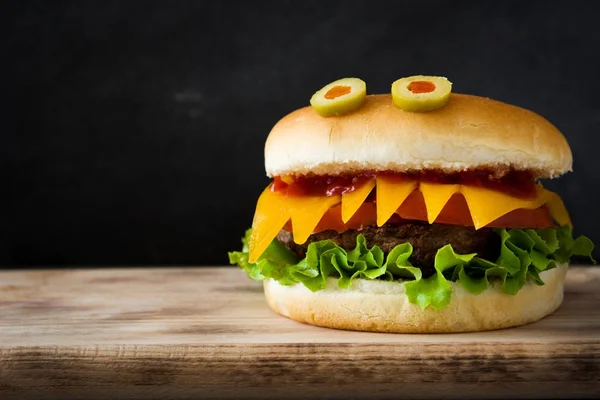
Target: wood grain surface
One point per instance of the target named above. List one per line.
(189, 333)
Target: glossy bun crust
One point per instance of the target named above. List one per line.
(469, 132)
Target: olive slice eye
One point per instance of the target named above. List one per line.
(421, 93)
(339, 97)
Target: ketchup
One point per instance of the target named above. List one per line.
(321, 185)
(515, 183)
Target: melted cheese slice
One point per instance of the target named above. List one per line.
(273, 210)
(391, 193)
(306, 213)
(558, 210)
(436, 196)
(352, 201)
(487, 205)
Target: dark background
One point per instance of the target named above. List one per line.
(133, 131)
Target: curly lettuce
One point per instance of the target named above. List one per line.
(524, 253)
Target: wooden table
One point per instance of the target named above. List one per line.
(208, 333)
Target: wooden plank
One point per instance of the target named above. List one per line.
(208, 333)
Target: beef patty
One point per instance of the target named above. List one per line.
(425, 238)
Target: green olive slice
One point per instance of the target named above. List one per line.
(421, 93)
(340, 97)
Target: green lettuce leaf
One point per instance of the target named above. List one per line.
(523, 254)
(436, 290)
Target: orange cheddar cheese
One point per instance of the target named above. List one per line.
(391, 193)
(352, 201)
(274, 210)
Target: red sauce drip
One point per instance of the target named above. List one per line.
(321, 185)
(515, 183)
(278, 185)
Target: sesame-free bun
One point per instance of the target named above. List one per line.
(468, 132)
(382, 306)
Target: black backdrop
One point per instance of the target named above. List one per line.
(133, 131)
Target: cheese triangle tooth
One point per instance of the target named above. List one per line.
(487, 205)
(306, 213)
(436, 196)
(352, 201)
(391, 193)
(272, 212)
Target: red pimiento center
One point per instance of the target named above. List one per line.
(337, 91)
(421, 87)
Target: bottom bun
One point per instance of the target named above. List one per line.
(382, 306)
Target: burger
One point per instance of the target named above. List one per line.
(416, 211)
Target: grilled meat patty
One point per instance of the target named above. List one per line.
(425, 238)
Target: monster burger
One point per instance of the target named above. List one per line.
(415, 211)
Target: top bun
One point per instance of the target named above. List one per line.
(468, 132)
